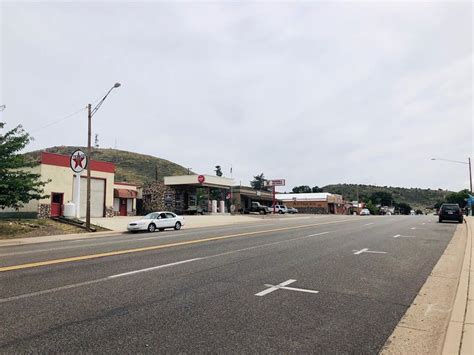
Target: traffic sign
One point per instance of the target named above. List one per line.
(78, 161)
(201, 179)
(276, 182)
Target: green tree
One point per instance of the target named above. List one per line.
(404, 208)
(458, 197)
(316, 189)
(17, 186)
(301, 189)
(218, 170)
(371, 207)
(381, 198)
(258, 182)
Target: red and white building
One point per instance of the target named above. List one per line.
(108, 198)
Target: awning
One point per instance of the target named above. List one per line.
(125, 193)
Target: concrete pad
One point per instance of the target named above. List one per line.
(467, 347)
(119, 224)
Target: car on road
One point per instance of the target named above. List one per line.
(281, 209)
(157, 221)
(450, 212)
(292, 210)
(365, 212)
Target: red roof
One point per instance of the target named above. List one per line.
(64, 160)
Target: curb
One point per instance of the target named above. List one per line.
(424, 326)
(459, 337)
(57, 238)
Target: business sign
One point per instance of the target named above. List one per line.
(201, 179)
(276, 182)
(78, 161)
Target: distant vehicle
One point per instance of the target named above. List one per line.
(450, 212)
(256, 207)
(157, 220)
(281, 209)
(365, 212)
(292, 210)
(412, 212)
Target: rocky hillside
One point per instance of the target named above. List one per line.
(131, 167)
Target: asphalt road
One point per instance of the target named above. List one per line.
(344, 283)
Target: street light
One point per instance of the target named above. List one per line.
(91, 112)
(461, 162)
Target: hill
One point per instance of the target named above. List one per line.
(415, 197)
(131, 167)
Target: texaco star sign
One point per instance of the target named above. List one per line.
(78, 161)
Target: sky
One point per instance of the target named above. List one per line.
(315, 93)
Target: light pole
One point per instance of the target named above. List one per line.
(461, 162)
(91, 112)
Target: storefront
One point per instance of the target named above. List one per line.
(318, 203)
(188, 194)
(62, 182)
(243, 196)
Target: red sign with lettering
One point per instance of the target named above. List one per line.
(201, 179)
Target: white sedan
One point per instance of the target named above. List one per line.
(157, 220)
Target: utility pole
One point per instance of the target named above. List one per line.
(89, 163)
(470, 174)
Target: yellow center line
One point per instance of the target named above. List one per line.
(156, 247)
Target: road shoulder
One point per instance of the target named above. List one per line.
(424, 327)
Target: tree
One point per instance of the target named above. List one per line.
(404, 208)
(458, 197)
(258, 182)
(301, 189)
(371, 207)
(316, 189)
(381, 198)
(218, 170)
(17, 187)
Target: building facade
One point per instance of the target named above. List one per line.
(55, 169)
(318, 203)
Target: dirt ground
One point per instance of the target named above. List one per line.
(24, 228)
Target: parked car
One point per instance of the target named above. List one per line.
(450, 212)
(365, 212)
(256, 207)
(281, 209)
(292, 210)
(157, 220)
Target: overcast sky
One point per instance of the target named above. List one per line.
(313, 92)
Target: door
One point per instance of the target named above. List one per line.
(163, 221)
(56, 203)
(97, 197)
(123, 207)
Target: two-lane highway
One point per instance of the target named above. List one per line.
(317, 284)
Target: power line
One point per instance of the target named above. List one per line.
(60, 120)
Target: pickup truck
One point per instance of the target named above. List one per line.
(256, 207)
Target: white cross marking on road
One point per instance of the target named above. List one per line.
(366, 250)
(282, 286)
(404, 236)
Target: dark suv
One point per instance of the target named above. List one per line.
(451, 212)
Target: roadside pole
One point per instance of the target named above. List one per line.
(89, 151)
(77, 197)
(273, 189)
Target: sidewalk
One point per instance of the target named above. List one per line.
(440, 319)
(118, 226)
(460, 333)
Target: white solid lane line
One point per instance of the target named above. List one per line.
(368, 224)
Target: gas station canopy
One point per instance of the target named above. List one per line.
(199, 180)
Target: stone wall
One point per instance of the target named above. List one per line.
(157, 197)
(109, 211)
(312, 210)
(44, 211)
